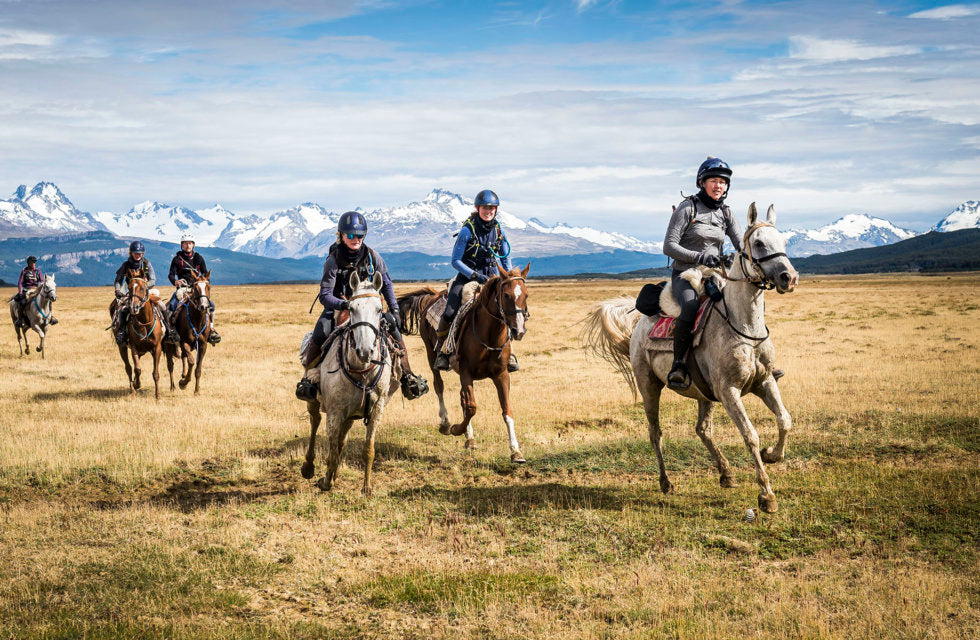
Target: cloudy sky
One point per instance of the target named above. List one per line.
(587, 111)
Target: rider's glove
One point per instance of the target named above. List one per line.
(709, 259)
(344, 305)
(479, 277)
(180, 283)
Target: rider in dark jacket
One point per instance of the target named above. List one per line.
(479, 245)
(31, 277)
(137, 261)
(346, 255)
(183, 266)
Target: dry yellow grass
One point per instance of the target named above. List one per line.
(125, 517)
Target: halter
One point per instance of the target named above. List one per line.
(359, 377)
(503, 315)
(142, 299)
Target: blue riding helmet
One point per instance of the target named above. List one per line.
(486, 198)
(353, 223)
(136, 247)
(714, 167)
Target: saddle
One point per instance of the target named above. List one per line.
(661, 337)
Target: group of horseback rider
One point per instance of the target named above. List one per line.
(695, 236)
(185, 266)
(31, 277)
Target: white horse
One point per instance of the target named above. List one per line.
(735, 354)
(356, 378)
(38, 313)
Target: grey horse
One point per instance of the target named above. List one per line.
(735, 353)
(356, 378)
(38, 311)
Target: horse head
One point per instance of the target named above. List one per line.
(512, 299)
(139, 292)
(765, 251)
(200, 286)
(49, 289)
(365, 315)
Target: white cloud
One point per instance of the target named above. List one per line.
(824, 50)
(948, 12)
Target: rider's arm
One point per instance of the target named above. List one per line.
(120, 277)
(20, 280)
(151, 277)
(199, 264)
(733, 229)
(675, 229)
(508, 264)
(172, 276)
(387, 288)
(327, 283)
(458, 249)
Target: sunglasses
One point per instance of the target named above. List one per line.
(351, 236)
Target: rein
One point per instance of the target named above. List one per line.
(501, 318)
(44, 316)
(760, 280)
(134, 322)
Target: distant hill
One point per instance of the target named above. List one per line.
(933, 251)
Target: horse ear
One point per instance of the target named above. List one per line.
(526, 269)
(377, 281)
(503, 274)
(207, 276)
(753, 214)
(355, 280)
(771, 214)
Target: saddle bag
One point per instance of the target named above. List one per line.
(648, 302)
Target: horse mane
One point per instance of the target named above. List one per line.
(412, 305)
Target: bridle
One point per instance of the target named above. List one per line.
(756, 276)
(504, 314)
(141, 299)
(134, 312)
(360, 381)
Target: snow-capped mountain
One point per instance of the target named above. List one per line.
(43, 210)
(284, 234)
(965, 216)
(853, 231)
(157, 221)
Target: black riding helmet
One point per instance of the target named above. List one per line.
(31, 260)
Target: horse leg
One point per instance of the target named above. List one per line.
(769, 393)
(313, 408)
(650, 387)
(502, 382)
(124, 354)
(201, 350)
(440, 387)
(136, 370)
(40, 347)
(467, 399)
(705, 429)
(156, 369)
(186, 364)
(731, 398)
(335, 449)
(170, 368)
(22, 351)
(368, 454)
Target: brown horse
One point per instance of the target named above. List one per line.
(192, 320)
(483, 346)
(145, 331)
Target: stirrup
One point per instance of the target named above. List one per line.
(414, 386)
(512, 365)
(172, 336)
(441, 362)
(778, 373)
(306, 390)
(53, 321)
(678, 378)
(213, 337)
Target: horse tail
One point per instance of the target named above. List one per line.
(606, 334)
(412, 305)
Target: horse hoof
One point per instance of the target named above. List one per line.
(727, 482)
(183, 383)
(38, 349)
(307, 470)
(470, 443)
(136, 385)
(445, 429)
(768, 503)
(457, 430)
(666, 487)
(769, 456)
(517, 458)
(366, 491)
(323, 484)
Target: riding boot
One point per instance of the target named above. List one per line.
(678, 378)
(441, 362)
(778, 373)
(121, 338)
(413, 386)
(306, 388)
(52, 321)
(512, 365)
(213, 337)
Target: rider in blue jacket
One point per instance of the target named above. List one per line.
(480, 244)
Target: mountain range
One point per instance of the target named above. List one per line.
(423, 231)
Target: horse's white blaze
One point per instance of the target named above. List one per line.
(517, 292)
(511, 434)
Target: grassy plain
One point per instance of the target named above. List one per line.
(122, 517)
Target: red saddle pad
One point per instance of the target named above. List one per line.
(663, 328)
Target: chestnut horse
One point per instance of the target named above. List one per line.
(483, 346)
(192, 320)
(145, 331)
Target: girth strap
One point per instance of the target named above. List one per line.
(698, 378)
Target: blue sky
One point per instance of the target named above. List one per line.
(587, 112)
